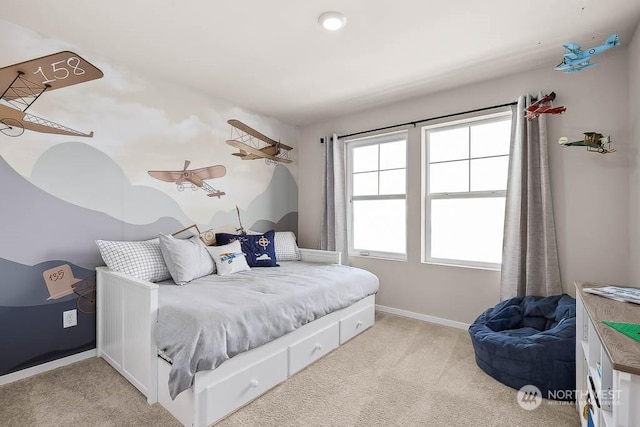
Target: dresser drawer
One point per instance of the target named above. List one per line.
(355, 323)
(229, 394)
(312, 348)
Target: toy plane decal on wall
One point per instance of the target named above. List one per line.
(22, 84)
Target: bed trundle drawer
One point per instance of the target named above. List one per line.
(355, 323)
(314, 347)
(231, 393)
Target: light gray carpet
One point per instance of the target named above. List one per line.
(401, 372)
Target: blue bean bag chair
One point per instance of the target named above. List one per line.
(530, 340)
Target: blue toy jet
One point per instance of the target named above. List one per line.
(576, 59)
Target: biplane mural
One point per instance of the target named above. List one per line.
(195, 178)
(22, 84)
(255, 145)
(66, 193)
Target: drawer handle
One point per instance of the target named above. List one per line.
(318, 347)
(359, 324)
(253, 383)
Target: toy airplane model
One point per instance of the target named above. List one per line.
(576, 59)
(249, 140)
(22, 84)
(595, 143)
(544, 106)
(194, 177)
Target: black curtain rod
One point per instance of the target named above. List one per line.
(425, 120)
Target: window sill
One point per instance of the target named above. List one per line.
(473, 267)
(378, 256)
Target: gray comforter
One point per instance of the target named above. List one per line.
(204, 323)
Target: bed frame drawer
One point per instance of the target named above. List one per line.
(352, 325)
(219, 392)
(314, 347)
(231, 393)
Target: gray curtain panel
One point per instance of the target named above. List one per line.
(529, 253)
(334, 213)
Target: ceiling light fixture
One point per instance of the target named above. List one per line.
(332, 21)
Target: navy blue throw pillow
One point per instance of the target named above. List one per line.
(259, 249)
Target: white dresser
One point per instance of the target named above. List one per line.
(607, 361)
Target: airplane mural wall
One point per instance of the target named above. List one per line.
(66, 190)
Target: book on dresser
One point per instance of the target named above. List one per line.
(617, 293)
(607, 361)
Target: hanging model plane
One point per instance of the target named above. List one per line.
(251, 144)
(594, 141)
(544, 106)
(193, 177)
(576, 59)
(22, 84)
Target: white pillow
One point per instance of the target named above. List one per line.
(229, 258)
(139, 259)
(286, 246)
(186, 259)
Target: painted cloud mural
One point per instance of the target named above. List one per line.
(61, 193)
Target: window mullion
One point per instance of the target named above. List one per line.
(469, 145)
(379, 168)
(469, 194)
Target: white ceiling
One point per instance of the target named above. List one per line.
(272, 57)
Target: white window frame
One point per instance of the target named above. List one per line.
(427, 197)
(361, 142)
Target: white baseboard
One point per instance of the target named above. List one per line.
(423, 317)
(34, 370)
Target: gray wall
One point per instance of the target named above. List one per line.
(634, 156)
(590, 191)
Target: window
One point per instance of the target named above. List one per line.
(376, 185)
(465, 182)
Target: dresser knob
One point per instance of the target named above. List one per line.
(359, 324)
(318, 347)
(253, 383)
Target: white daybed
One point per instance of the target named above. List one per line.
(126, 315)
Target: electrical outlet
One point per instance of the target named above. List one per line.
(69, 318)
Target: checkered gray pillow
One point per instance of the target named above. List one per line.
(286, 247)
(139, 259)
